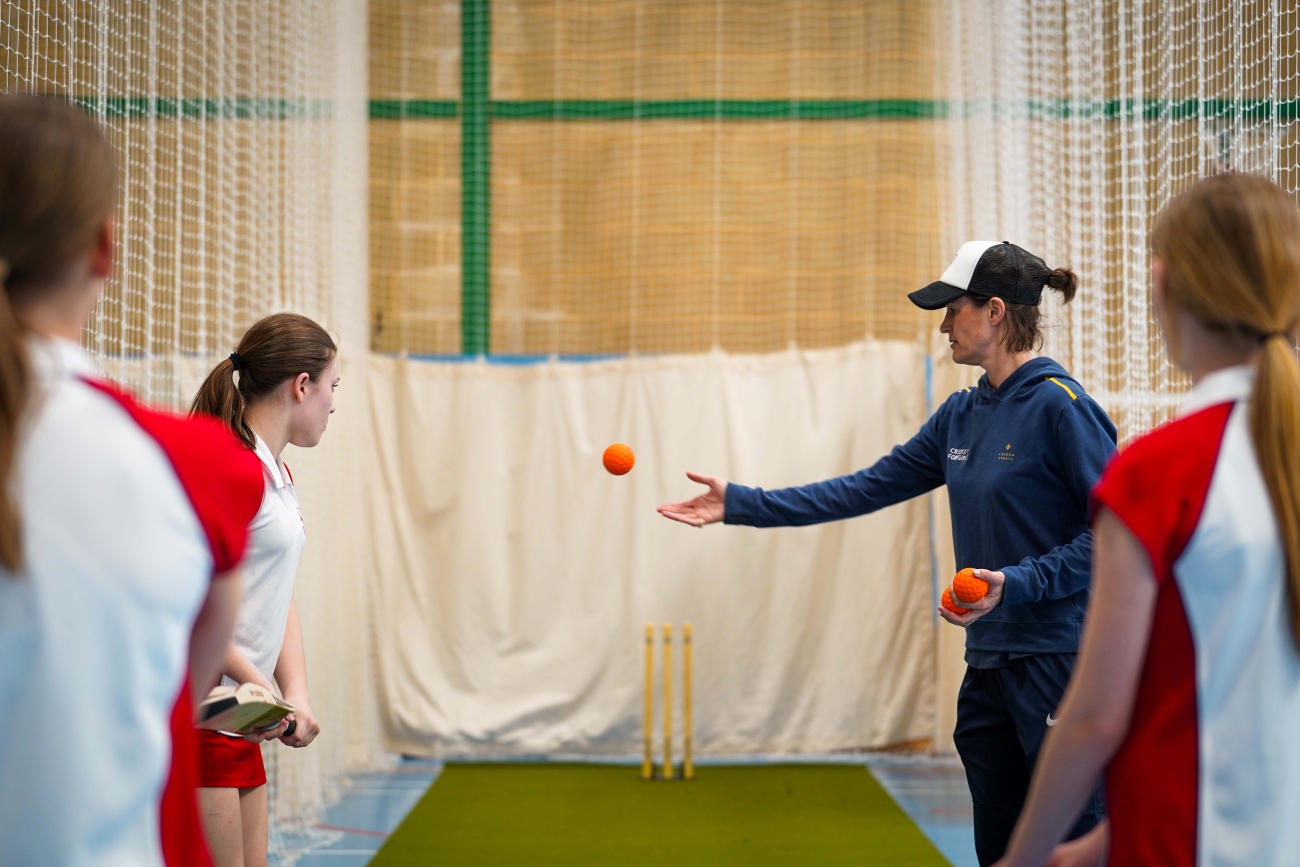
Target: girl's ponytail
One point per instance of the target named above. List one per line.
(58, 189)
(1275, 430)
(219, 397)
(1230, 245)
(14, 388)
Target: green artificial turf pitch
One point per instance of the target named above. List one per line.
(578, 814)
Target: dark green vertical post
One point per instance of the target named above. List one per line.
(476, 175)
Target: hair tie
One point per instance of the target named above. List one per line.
(1285, 335)
(237, 360)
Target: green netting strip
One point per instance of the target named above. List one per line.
(1132, 109)
(201, 108)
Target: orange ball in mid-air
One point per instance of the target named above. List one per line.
(619, 459)
(967, 588)
(946, 599)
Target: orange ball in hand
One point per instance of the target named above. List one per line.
(946, 599)
(619, 459)
(967, 588)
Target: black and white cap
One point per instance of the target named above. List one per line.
(991, 269)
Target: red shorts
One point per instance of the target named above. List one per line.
(229, 763)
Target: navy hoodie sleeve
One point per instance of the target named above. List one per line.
(1086, 439)
(910, 470)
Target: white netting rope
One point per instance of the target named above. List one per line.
(222, 113)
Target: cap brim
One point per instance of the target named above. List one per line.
(938, 294)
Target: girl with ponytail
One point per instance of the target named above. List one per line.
(1187, 692)
(121, 533)
(276, 388)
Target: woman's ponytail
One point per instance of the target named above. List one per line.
(1065, 281)
(1275, 430)
(14, 388)
(219, 397)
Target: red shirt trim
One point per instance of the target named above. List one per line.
(221, 477)
(183, 843)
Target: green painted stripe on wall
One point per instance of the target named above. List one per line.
(726, 109)
(476, 176)
(414, 109)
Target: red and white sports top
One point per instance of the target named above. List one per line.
(1209, 773)
(127, 515)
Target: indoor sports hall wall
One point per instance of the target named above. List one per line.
(650, 175)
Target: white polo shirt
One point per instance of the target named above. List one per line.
(126, 516)
(275, 544)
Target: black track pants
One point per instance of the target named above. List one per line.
(1001, 721)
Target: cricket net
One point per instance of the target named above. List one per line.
(1071, 123)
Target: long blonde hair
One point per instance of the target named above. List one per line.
(58, 185)
(1231, 252)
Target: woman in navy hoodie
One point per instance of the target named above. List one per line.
(1020, 453)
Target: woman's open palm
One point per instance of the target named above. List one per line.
(707, 508)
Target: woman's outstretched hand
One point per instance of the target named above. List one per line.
(707, 508)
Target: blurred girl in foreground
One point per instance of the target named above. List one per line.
(121, 530)
(1187, 689)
